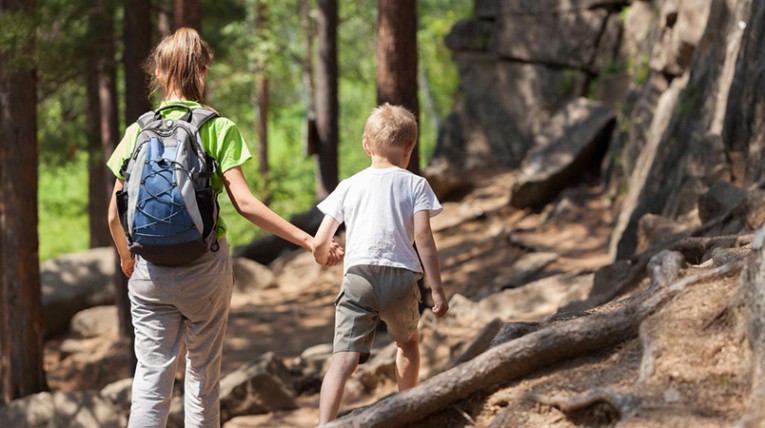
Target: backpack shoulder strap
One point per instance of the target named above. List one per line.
(145, 119)
(200, 116)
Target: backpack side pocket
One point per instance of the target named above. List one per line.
(122, 207)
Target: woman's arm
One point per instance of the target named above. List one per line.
(258, 213)
(118, 234)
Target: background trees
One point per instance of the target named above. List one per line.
(21, 328)
(61, 98)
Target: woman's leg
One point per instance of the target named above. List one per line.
(158, 337)
(206, 304)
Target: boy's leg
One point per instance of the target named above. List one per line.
(408, 362)
(341, 367)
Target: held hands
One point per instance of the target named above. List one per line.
(440, 304)
(330, 257)
(336, 253)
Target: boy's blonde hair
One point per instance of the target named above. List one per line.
(179, 64)
(389, 126)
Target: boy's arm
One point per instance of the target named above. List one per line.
(258, 213)
(426, 246)
(118, 235)
(327, 251)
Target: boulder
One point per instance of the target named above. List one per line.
(576, 140)
(95, 321)
(250, 276)
(81, 409)
(74, 282)
(260, 386)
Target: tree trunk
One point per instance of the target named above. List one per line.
(165, 17)
(397, 59)
(261, 92)
(21, 322)
(137, 41)
(327, 108)
(188, 13)
(309, 32)
(104, 112)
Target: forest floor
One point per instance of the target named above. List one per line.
(480, 239)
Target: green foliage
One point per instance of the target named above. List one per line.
(63, 199)
(17, 40)
(240, 55)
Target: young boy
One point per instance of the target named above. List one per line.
(385, 209)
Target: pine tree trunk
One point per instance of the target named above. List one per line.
(102, 145)
(21, 322)
(397, 59)
(188, 13)
(261, 94)
(137, 41)
(327, 107)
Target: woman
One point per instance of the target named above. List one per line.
(190, 303)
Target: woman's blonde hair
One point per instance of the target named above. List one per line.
(179, 65)
(390, 125)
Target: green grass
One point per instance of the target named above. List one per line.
(63, 208)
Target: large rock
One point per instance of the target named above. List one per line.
(493, 125)
(535, 37)
(576, 140)
(74, 282)
(260, 386)
(95, 321)
(82, 409)
(744, 128)
(250, 275)
(689, 150)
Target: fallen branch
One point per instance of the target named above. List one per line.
(520, 357)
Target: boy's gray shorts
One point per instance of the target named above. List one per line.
(370, 293)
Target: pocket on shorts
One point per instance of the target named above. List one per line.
(339, 296)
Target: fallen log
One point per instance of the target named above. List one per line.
(524, 355)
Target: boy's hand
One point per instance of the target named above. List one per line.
(440, 304)
(336, 254)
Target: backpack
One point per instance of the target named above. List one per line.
(167, 207)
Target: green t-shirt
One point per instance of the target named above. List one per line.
(221, 138)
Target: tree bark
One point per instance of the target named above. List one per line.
(261, 93)
(104, 113)
(397, 59)
(327, 106)
(309, 31)
(516, 358)
(137, 42)
(21, 322)
(188, 13)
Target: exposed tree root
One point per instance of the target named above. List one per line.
(526, 354)
(692, 248)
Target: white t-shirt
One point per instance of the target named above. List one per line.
(378, 206)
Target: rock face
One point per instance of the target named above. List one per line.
(517, 73)
(575, 142)
(684, 77)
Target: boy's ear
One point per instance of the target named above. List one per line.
(367, 149)
(410, 148)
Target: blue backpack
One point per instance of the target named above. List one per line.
(167, 207)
